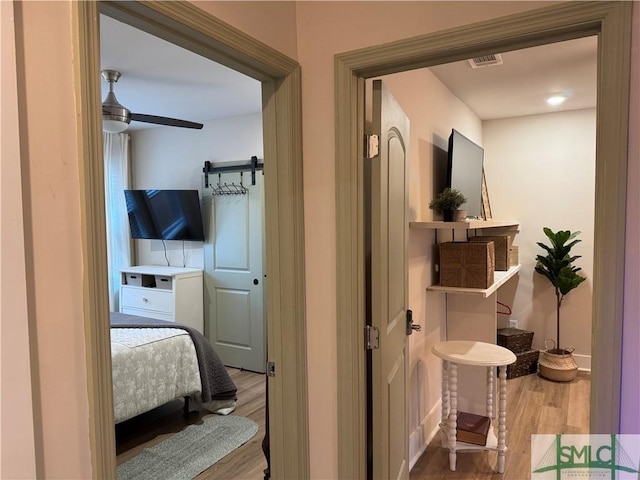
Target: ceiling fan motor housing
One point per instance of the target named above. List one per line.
(112, 110)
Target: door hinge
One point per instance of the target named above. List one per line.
(271, 369)
(371, 146)
(371, 337)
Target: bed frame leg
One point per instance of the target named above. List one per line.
(185, 409)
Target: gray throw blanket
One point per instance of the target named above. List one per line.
(216, 382)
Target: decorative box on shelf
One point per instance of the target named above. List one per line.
(502, 247)
(467, 264)
(513, 256)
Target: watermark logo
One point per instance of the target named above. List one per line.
(602, 457)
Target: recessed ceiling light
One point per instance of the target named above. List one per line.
(556, 100)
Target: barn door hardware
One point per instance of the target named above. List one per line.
(252, 166)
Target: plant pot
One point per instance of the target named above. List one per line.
(557, 364)
(459, 215)
(454, 215)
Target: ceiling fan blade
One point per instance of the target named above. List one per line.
(171, 122)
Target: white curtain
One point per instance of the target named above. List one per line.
(116, 180)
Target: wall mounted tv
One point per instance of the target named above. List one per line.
(165, 214)
(464, 172)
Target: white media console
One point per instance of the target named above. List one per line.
(167, 293)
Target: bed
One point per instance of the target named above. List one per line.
(155, 362)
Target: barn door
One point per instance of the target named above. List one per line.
(234, 274)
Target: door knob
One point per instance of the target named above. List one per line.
(255, 281)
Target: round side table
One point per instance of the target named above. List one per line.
(480, 354)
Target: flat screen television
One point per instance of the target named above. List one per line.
(464, 172)
(164, 214)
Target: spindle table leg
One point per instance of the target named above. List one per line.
(502, 418)
(453, 414)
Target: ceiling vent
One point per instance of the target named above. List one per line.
(486, 61)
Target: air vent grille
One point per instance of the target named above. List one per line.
(486, 61)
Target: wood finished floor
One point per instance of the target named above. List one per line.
(534, 405)
(246, 462)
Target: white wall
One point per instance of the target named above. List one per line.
(173, 158)
(433, 111)
(541, 171)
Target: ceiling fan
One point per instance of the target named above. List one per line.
(116, 117)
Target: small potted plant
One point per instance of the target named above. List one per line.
(448, 202)
(557, 363)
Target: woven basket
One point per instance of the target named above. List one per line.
(466, 264)
(526, 363)
(557, 364)
(514, 339)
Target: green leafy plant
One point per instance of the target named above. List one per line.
(449, 199)
(557, 267)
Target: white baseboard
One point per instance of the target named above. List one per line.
(583, 361)
(420, 438)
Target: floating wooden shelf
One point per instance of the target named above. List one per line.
(499, 279)
(467, 225)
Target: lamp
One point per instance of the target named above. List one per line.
(115, 117)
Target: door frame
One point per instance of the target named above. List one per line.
(611, 21)
(188, 26)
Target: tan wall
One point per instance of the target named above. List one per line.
(52, 237)
(17, 447)
(273, 23)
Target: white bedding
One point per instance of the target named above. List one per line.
(153, 366)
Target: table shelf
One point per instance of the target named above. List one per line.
(492, 443)
(465, 225)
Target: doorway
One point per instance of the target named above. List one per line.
(161, 78)
(193, 29)
(516, 164)
(539, 27)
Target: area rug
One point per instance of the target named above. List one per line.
(191, 451)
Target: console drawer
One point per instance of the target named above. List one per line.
(147, 299)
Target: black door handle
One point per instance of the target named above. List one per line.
(255, 281)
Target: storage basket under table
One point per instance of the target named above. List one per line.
(515, 339)
(526, 364)
(519, 342)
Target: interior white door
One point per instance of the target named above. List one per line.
(234, 274)
(388, 226)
